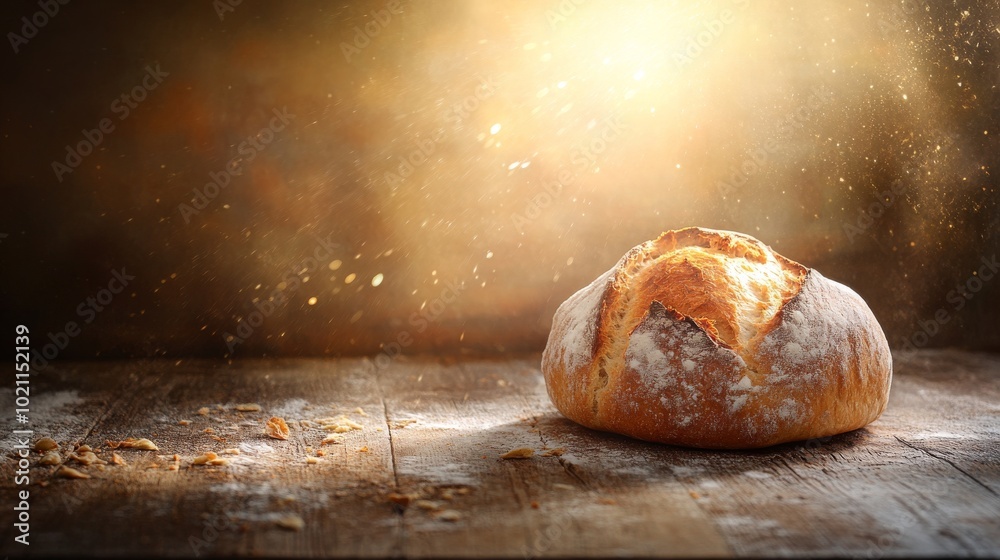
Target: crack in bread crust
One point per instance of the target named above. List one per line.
(724, 282)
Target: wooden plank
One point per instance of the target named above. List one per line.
(233, 509)
(468, 414)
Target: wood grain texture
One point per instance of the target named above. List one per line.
(924, 479)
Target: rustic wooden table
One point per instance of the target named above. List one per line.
(924, 479)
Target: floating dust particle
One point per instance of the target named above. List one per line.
(248, 407)
(377, 279)
(276, 428)
(46, 444)
(519, 453)
(350, 278)
(70, 472)
(312, 300)
(291, 522)
(335, 264)
(557, 452)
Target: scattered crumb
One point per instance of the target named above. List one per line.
(50, 458)
(203, 411)
(277, 428)
(84, 448)
(70, 472)
(330, 439)
(184, 422)
(219, 462)
(231, 451)
(339, 424)
(606, 501)
(449, 515)
(694, 494)
(311, 460)
(519, 453)
(208, 431)
(291, 522)
(321, 453)
(400, 424)
(401, 499)
(557, 452)
(561, 486)
(204, 458)
(363, 449)
(46, 444)
(116, 459)
(87, 458)
(309, 449)
(359, 411)
(142, 443)
(218, 439)
(535, 505)
(248, 407)
(427, 505)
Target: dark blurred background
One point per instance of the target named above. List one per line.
(438, 176)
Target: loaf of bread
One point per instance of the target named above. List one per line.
(710, 339)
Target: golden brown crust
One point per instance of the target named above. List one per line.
(710, 339)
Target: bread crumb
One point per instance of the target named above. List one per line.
(519, 453)
(311, 460)
(183, 422)
(535, 505)
(116, 459)
(339, 424)
(694, 494)
(401, 499)
(248, 407)
(561, 486)
(46, 444)
(400, 424)
(449, 515)
(231, 451)
(69, 472)
(606, 501)
(218, 439)
(363, 449)
(87, 458)
(330, 439)
(277, 428)
(557, 452)
(359, 411)
(50, 458)
(321, 453)
(204, 458)
(208, 431)
(142, 443)
(427, 505)
(291, 522)
(203, 411)
(84, 448)
(219, 462)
